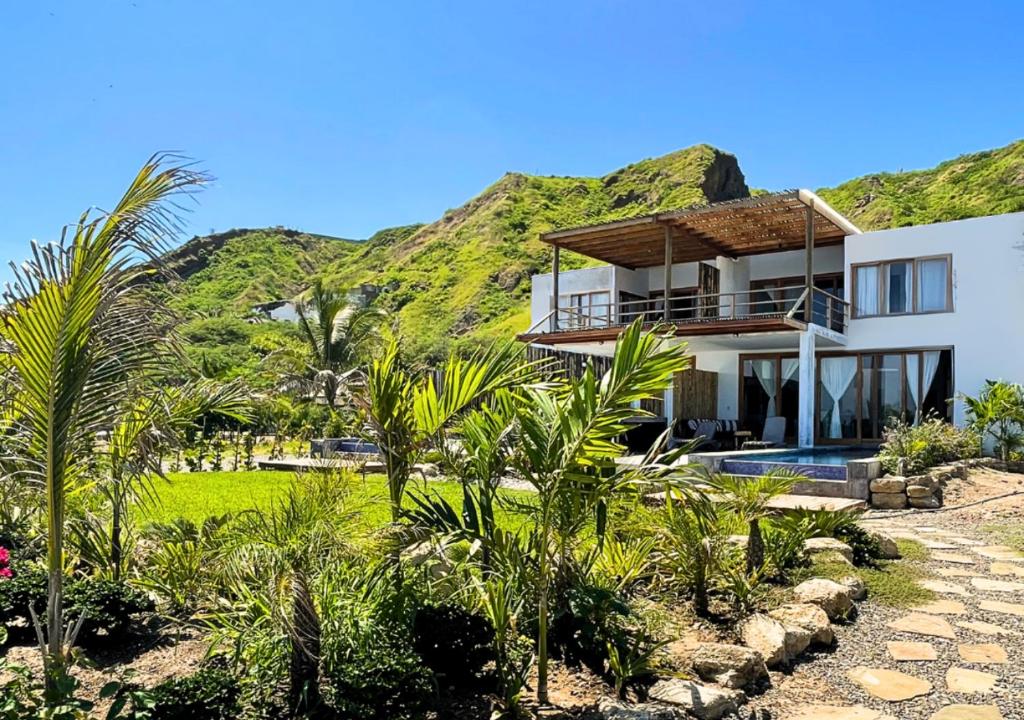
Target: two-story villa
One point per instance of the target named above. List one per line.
(790, 310)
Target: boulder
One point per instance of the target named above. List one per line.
(889, 501)
(827, 544)
(807, 617)
(889, 484)
(835, 599)
(731, 666)
(777, 643)
(702, 701)
(928, 501)
(916, 491)
(887, 546)
(612, 709)
(857, 587)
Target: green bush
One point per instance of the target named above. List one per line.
(109, 607)
(210, 693)
(453, 642)
(26, 587)
(376, 677)
(911, 449)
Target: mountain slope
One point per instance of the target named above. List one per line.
(983, 183)
(466, 277)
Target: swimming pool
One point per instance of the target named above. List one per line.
(824, 463)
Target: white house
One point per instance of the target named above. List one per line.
(789, 309)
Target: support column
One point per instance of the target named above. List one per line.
(808, 387)
(554, 290)
(809, 263)
(668, 272)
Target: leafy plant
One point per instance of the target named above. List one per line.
(453, 642)
(748, 498)
(210, 693)
(631, 663)
(911, 449)
(998, 412)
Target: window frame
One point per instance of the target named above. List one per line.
(881, 267)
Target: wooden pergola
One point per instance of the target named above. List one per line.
(774, 222)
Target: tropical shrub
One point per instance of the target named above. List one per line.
(210, 693)
(376, 676)
(453, 642)
(109, 607)
(839, 524)
(998, 412)
(911, 449)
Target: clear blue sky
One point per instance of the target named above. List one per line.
(343, 118)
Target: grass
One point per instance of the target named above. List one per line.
(197, 496)
(1006, 534)
(891, 583)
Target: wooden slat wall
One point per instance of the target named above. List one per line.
(572, 364)
(696, 394)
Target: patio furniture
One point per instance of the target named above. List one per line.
(742, 437)
(705, 435)
(774, 433)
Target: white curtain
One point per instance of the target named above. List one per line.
(867, 290)
(836, 375)
(930, 363)
(931, 285)
(764, 371)
(789, 369)
(912, 363)
(929, 366)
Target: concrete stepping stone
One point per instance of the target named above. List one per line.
(942, 607)
(984, 653)
(997, 585)
(928, 529)
(890, 685)
(836, 712)
(969, 682)
(955, 572)
(921, 624)
(965, 541)
(968, 712)
(943, 587)
(958, 558)
(1002, 607)
(1006, 568)
(986, 628)
(936, 545)
(999, 552)
(911, 651)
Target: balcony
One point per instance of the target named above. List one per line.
(752, 311)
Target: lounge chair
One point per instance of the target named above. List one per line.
(774, 433)
(705, 435)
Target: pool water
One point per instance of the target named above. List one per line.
(820, 463)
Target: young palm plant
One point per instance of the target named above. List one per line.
(78, 325)
(748, 498)
(566, 447)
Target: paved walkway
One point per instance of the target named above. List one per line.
(958, 657)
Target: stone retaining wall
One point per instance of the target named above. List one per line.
(893, 492)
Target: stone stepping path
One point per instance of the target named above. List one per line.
(985, 653)
(890, 685)
(968, 712)
(911, 651)
(944, 588)
(969, 682)
(1005, 586)
(999, 552)
(1006, 568)
(1002, 607)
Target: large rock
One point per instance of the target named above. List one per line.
(778, 644)
(887, 546)
(889, 484)
(926, 502)
(702, 701)
(888, 501)
(826, 544)
(835, 599)
(731, 666)
(857, 587)
(611, 709)
(810, 618)
(915, 491)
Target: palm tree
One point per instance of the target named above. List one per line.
(748, 498)
(566, 447)
(340, 335)
(78, 324)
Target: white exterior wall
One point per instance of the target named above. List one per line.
(988, 297)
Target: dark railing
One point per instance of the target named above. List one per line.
(793, 302)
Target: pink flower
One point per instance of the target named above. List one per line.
(5, 556)
(5, 572)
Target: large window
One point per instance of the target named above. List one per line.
(769, 386)
(581, 310)
(902, 287)
(860, 394)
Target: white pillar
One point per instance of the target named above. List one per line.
(669, 403)
(808, 386)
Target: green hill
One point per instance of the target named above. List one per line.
(465, 278)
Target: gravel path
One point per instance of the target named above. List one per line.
(959, 552)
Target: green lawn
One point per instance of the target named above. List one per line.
(196, 496)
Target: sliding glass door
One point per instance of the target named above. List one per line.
(859, 395)
(769, 387)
